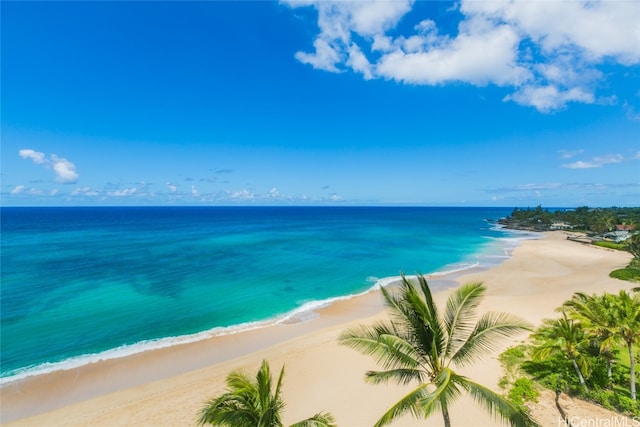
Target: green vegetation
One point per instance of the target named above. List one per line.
(523, 391)
(590, 351)
(521, 388)
(588, 220)
(611, 245)
(633, 245)
(419, 345)
(629, 273)
(564, 337)
(250, 403)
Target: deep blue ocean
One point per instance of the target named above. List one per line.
(85, 283)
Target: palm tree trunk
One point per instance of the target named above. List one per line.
(445, 415)
(632, 369)
(580, 377)
(565, 418)
(609, 375)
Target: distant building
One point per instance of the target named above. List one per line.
(624, 227)
(560, 226)
(617, 236)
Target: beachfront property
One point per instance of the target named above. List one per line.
(617, 236)
(560, 226)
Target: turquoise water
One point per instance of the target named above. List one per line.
(86, 283)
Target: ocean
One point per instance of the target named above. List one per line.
(87, 283)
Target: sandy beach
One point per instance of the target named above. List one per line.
(167, 387)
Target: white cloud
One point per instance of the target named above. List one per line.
(597, 29)
(18, 189)
(359, 62)
(596, 162)
(37, 157)
(65, 170)
(274, 194)
(21, 189)
(549, 98)
(242, 194)
(547, 52)
(325, 58)
(476, 59)
(125, 192)
(567, 154)
(337, 19)
(551, 187)
(172, 187)
(84, 191)
(537, 187)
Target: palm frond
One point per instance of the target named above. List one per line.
(380, 341)
(321, 419)
(399, 376)
(404, 405)
(460, 314)
(416, 316)
(263, 385)
(228, 410)
(446, 392)
(485, 336)
(432, 315)
(277, 393)
(543, 351)
(269, 403)
(496, 405)
(238, 382)
(420, 320)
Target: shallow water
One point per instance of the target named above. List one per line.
(85, 283)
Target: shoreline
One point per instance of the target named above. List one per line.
(84, 382)
(309, 311)
(184, 368)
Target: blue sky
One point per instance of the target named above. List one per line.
(321, 103)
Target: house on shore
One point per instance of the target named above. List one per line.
(620, 234)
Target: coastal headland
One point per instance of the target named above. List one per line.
(167, 387)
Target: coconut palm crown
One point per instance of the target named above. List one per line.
(566, 337)
(612, 318)
(250, 403)
(419, 346)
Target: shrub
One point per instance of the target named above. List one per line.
(513, 354)
(611, 245)
(629, 274)
(626, 404)
(523, 391)
(503, 382)
(615, 401)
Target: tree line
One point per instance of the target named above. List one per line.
(586, 219)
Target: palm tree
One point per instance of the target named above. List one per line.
(566, 337)
(633, 245)
(250, 403)
(627, 313)
(597, 315)
(419, 345)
